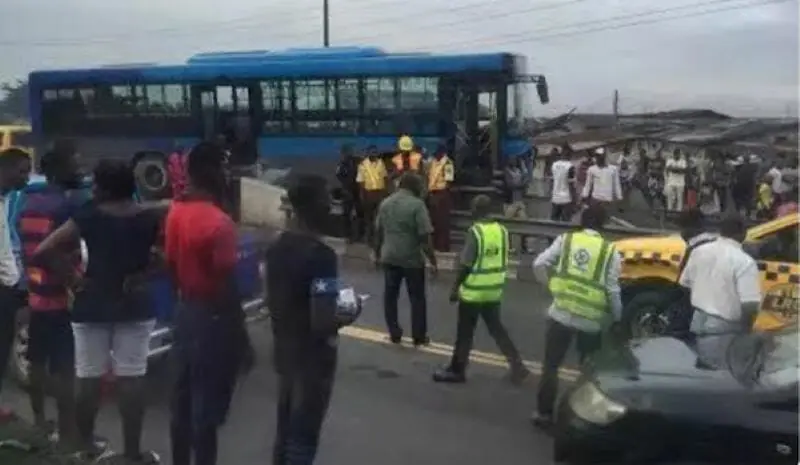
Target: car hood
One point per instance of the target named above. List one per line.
(661, 364)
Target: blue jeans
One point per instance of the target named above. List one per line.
(205, 353)
(714, 335)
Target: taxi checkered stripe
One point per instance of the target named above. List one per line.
(779, 272)
(651, 258)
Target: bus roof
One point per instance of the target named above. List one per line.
(291, 63)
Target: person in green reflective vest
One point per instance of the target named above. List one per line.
(478, 289)
(582, 269)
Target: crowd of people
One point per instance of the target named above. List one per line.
(90, 314)
(674, 183)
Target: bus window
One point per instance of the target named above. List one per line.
(176, 99)
(347, 94)
(418, 93)
(225, 98)
(276, 99)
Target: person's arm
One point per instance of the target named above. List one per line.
(224, 249)
(587, 187)
(748, 286)
(378, 235)
(67, 232)
(466, 261)
(425, 231)
(572, 182)
(612, 284)
(547, 260)
(324, 292)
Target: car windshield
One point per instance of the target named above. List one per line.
(769, 360)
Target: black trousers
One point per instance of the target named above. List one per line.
(353, 216)
(206, 368)
(561, 212)
(558, 339)
(11, 300)
(415, 285)
(468, 315)
(303, 400)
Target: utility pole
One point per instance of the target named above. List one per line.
(615, 107)
(326, 24)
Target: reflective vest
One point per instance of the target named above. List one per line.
(440, 173)
(372, 175)
(414, 162)
(487, 278)
(579, 282)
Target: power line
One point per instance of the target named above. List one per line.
(526, 37)
(250, 22)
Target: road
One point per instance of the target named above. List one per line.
(385, 408)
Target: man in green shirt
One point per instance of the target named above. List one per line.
(402, 241)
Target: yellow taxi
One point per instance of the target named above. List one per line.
(16, 135)
(651, 265)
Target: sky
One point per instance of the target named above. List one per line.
(735, 56)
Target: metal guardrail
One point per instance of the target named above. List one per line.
(526, 228)
(461, 220)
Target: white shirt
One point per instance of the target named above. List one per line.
(547, 261)
(9, 271)
(777, 180)
(721, 277)
(602, 183)
(672, 178)
(561, 182)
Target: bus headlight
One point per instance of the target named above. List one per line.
(589, 403)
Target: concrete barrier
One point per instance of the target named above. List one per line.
(261, 204)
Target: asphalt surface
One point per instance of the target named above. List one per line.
(385, 407)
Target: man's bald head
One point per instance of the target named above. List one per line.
(481, 206)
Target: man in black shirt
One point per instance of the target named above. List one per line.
(346, 172)
(302, 289)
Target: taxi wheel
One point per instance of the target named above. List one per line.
(647, 315)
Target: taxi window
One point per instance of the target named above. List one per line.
(780, 246)
(21, 138)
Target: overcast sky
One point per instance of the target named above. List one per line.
(743, 61)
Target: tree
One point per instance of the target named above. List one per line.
(14, 101)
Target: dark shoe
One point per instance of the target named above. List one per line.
(396, 338)
(425, 341)
(445, 375)
(542, 420)
(518, 375)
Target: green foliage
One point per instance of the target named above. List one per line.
(14, 101)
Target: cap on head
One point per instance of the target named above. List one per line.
(405, 144)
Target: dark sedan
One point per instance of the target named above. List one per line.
(651, 402)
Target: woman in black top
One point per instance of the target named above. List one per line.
(112, 318)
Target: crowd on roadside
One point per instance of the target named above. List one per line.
(757, 188)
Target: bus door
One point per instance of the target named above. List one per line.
(225, 109)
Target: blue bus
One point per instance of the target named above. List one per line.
(297, 107)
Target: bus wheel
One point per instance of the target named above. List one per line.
(152, 178)
(20, 365)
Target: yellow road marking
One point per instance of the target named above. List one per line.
(436, 348)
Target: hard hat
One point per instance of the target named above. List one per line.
(405, 144)
(600, 151)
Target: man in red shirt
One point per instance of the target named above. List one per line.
(211, 343)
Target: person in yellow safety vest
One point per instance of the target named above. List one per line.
(371, 178)
(407, 159)
(583, 271)
(440, 175)
(478, 289)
